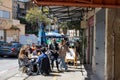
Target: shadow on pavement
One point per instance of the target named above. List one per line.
(88, 68)
(87, 79)
(54, 74)
(73, 69)
(51, 74)
(57, 72)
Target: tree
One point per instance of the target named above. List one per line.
(34, 16)
(70, 25)
(74, 24)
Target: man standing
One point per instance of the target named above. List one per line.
(54, 53)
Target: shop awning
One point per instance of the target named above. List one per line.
(80, 3)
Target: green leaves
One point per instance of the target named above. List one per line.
(63, 25)
(35, 15)
(74, 24)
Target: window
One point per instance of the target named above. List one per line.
(4, 14)
(1, 13)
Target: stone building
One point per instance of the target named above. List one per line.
(6, 22)
(102, 31)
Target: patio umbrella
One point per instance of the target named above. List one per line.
(54, 35)
(41, 35)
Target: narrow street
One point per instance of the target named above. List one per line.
(8, 67)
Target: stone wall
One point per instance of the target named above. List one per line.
(20, 26)
(22, 29)
(12, 34)
(113, 44)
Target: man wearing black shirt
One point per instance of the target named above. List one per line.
(54, 53)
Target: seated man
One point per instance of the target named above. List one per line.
(33, 47)
(43, 61)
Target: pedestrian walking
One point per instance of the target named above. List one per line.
(62, 53)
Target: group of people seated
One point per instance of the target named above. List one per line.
(40, 59)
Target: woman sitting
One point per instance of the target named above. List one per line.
(23, 58)
(27, 65)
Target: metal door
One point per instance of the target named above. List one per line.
(100, 44)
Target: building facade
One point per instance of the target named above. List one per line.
(5, 17)
(102, 50)
(6, 22)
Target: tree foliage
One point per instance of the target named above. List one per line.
(74, 24)
(70, 25)
(63, 25)
(35, 15)
(23, 20)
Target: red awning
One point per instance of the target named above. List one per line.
(80, 3)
